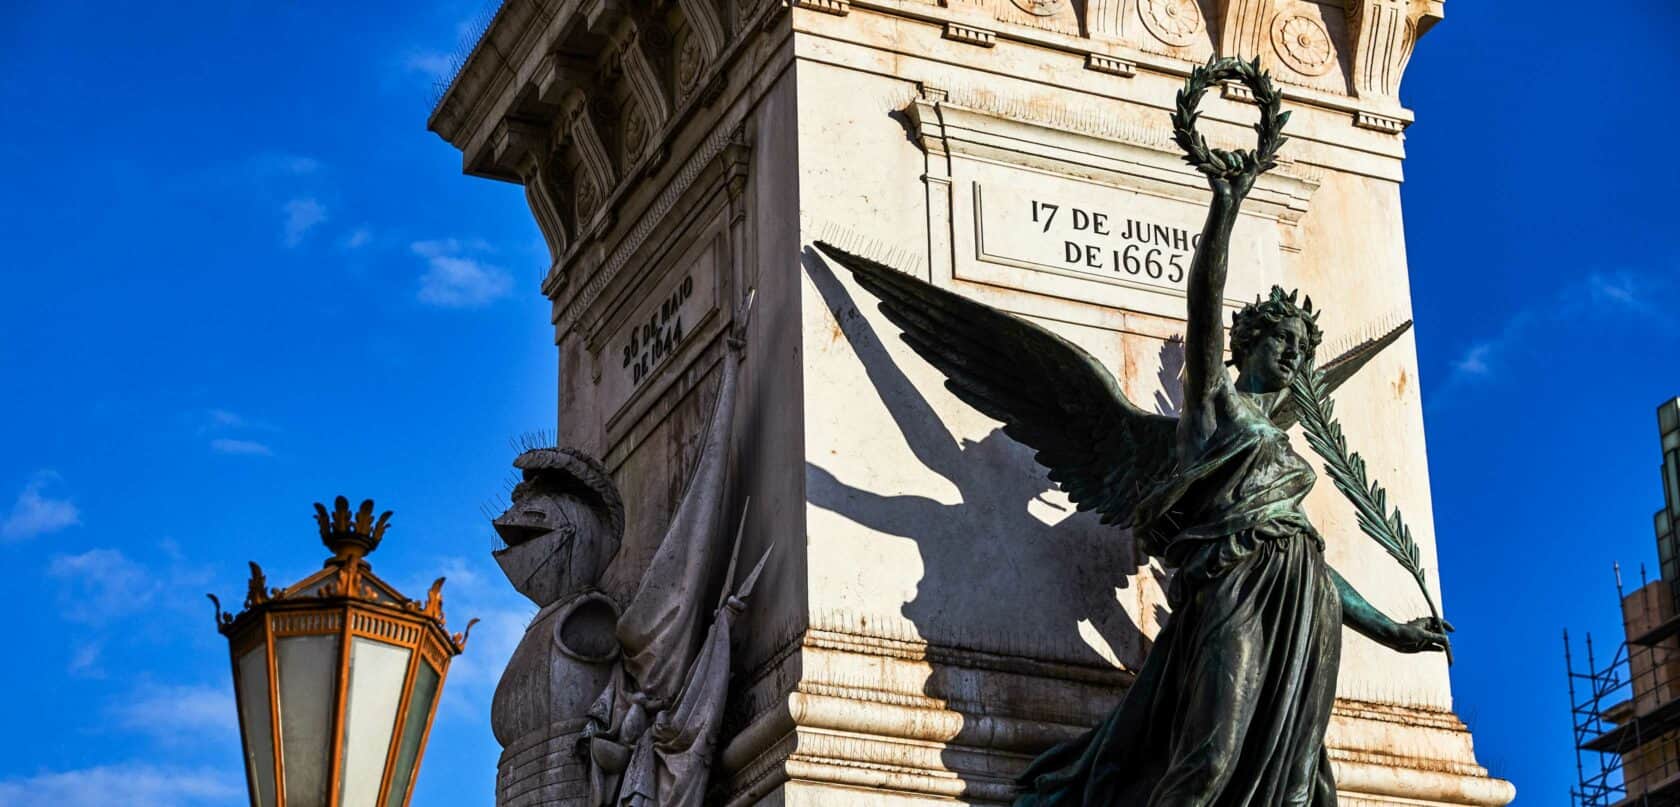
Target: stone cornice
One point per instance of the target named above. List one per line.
(1247, 31)
(515, 30)
(586, 98)
(1298, 47)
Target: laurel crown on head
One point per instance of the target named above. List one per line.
(1258, 318)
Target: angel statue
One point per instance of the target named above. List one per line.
(1231, 705)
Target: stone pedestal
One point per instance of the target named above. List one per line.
(935, 613)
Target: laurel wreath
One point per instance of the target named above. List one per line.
(1219, 163)
(1347, 471)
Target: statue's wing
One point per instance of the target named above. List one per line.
(1338, 370)
(1051, 395)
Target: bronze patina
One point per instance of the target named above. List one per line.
(1230, 707)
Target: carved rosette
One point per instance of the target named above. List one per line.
(1041, 8)
(691, 61)
(1303, 43)
(635, 133)
(588, 197)
(1174, 22)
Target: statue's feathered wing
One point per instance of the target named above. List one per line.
(1105, 452)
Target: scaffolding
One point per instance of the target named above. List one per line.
(1626, 717)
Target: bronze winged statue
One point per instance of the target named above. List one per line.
(1231, 706)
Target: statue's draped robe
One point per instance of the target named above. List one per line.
(1231, 705)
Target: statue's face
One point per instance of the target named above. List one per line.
(1271, 362)
(557, 543)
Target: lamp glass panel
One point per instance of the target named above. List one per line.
(414, 730)
(308, 666)
(252, 669)
(377, 673)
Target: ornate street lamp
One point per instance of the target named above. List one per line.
(337, 676)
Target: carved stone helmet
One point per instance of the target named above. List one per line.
(563, 527)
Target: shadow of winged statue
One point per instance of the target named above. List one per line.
(1233, 700)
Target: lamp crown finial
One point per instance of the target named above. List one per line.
(351, 534)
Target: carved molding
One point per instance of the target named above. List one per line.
(641, 75)
(1384, 33)
(726, 134)
(1387, 124)
(543, 193)
(706, 26)
(526, 146)
(556, 76)
(1106, 19)
(839, 8)
(595, 173)
(1242, 24)
(960, 32)
(1110, 65)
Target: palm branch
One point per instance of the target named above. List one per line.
(1347, 471)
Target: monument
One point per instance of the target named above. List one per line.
(935, 613)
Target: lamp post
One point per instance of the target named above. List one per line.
(337, 676)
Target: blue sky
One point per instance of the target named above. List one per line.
(241, 277)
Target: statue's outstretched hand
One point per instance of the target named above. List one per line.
(1232, 188)
(1421, 635)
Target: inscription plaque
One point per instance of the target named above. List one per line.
(661, 326)
(1099, 243)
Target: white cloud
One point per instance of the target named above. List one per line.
(246, 448)
(223, 419)
(179, 712)
(454, 280)
(36, 514)
(433, 64)
(130, 784)
(225, 425)
(84, 661)
(1474, 361)
(448, 246)
(1621, 290)
(302, 215)
(358, 238)
(277, 163)
(1602, 295)
(100, 584)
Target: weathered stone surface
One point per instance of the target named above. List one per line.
(890, 651)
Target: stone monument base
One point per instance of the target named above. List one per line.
(862, 728)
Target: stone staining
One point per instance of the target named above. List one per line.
(1174, 22)
(1303, 44)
